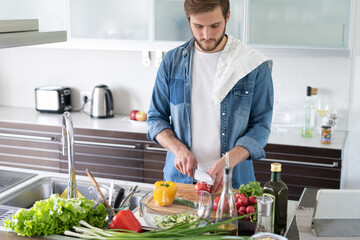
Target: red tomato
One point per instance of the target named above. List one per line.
(252, 199)
(216, 203)
(202, 187)
(243, 201)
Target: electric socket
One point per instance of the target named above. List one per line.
(83, 94)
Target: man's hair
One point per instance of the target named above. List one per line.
(200, 6)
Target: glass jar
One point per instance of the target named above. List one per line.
(325, 134)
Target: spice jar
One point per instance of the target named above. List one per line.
(325, 134)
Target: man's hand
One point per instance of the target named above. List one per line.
(236, 155)
(217, 170)
(185, 161)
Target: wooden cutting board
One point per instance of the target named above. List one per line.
(185, 191)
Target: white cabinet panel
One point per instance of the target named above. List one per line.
(51, 13)
(109, 19)
(317, 23)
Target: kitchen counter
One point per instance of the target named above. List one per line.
(41, 174)
(283, 135)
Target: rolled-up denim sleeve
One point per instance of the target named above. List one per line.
(158, 117)
(255, 139)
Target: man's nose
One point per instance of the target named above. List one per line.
(206, 33)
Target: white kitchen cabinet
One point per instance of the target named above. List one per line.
(315, 23)
(109, 19)
(50, 13)
(171, 23)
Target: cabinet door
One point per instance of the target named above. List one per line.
(51, 13)
(236, 24)
(318, 23)
(109, 19)
(171, 23)
(30, 146)
(107, 154)
(154, 162)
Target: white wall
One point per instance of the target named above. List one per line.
(23, 69)
(351, 156)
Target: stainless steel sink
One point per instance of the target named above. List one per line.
(9, 179)
(44, 187)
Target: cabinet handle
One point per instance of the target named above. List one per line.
(333, 165)
(155, 148)
(107, 144)
(21, 136)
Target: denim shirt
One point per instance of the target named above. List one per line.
(245, 112)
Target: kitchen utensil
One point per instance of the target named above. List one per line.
(119, 197)
(102, 103)
(96, 185)
(128, 197)
(111, 192)
(201, 176)
(202, 206)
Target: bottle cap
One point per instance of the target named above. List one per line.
(326, 126)
(308, 91)
(314, 91)
(276, 167)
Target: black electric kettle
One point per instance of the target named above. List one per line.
(102, 103)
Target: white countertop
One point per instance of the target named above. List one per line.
(283, 135)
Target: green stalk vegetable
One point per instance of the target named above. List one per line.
(181, 231)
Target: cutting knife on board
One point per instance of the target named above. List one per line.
(202, 176)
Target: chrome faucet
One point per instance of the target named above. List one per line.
(68, 150)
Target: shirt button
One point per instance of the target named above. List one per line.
(223, 114)
(223, 134)
(246, 92)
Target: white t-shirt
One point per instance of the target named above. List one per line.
(204, 117)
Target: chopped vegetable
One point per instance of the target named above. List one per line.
(169, 221)
(181, 201)
(201, 186)
(55, 215)
(125, 219)
(164, 192)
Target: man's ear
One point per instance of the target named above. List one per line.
(228, 16)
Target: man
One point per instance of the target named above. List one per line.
(212, 95)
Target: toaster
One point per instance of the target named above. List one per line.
(53, 99)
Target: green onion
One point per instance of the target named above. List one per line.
(180, 231)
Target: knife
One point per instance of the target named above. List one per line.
(202, 176)
(119, 197)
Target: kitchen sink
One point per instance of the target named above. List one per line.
(9, 179)
(44, 187)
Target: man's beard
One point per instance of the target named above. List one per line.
(209, 48)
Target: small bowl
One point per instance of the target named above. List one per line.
(201, 207)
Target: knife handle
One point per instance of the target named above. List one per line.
(119, 197)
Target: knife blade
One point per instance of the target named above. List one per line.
(202, 176)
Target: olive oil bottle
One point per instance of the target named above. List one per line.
(227, 208)
(278, 190)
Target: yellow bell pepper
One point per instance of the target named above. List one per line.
(164, 192)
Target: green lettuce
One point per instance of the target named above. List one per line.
(55, 215)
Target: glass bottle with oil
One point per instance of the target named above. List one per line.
(278, 190)
(227, 209)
